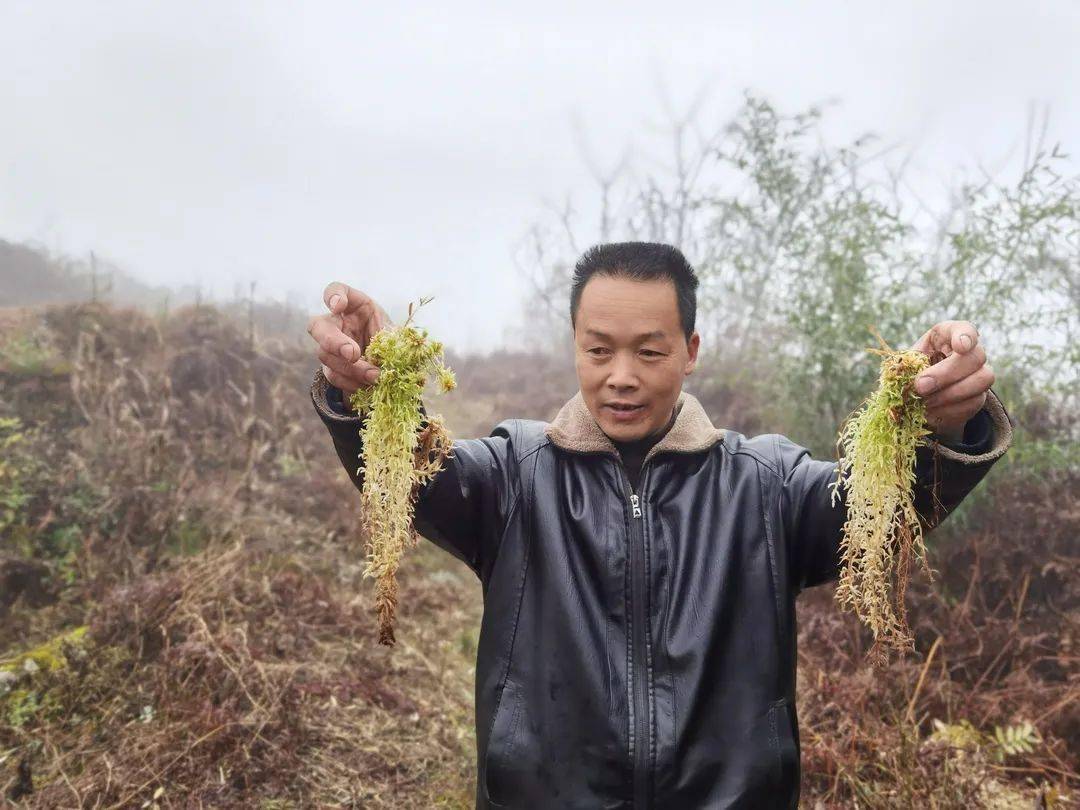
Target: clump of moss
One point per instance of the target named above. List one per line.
(48, 656)
(13, 495)
(23, 695)
(882, 534)
(397, 457)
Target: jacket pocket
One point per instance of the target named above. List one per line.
(786, 750)
(502, 758)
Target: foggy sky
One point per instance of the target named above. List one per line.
(407, 150)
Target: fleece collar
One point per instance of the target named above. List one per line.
(575, 429)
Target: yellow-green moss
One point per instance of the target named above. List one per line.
(47, 656)
(882, 532)
(397, 455)
(30, 700)
(12, 493)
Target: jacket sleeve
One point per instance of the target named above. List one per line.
(813, 526)
(464, 509)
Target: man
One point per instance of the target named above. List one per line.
(639, 565)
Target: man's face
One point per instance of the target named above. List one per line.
(630, 347)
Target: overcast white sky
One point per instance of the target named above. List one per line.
(406, 150)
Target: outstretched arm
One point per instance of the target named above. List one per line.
(813, 525)
(465, 507)
(970, 431)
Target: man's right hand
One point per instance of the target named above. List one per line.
(343, 335)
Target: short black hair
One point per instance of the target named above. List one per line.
(643, 261)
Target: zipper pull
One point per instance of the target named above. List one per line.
(634, 501)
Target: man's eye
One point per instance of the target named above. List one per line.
(646, 351)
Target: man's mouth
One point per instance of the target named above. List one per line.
(626, 408)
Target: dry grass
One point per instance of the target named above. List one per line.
(214, 554)
(186, 505)
(996, 646)
(243, 677)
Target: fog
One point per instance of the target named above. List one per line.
(407, 151)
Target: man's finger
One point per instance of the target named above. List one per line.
(963, 336)
(948, 337)
(339, 381)
(953, 368)
(928, 343)
(358, 372)
(340, 299)
(970, 386)
(336, 296)
(331, 339)
(954, 411)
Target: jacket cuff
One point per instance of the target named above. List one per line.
(335, 398)
(972, 451)
(976, 438)
(320, 396)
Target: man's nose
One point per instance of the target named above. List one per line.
(623, 373)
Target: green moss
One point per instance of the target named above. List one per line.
(882, 533)
(397, 455)
(27, 356)
(13, 496)
(48, 656)
(43, 680)
(19, 707)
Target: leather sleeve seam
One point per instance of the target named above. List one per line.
(761, 461)
(771, 541)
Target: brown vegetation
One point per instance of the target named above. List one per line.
(176, 495)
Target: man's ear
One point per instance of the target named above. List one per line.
(692, 347)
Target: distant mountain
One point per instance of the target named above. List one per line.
(30, 275)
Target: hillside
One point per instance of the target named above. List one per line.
(31, 275)
(181, 563)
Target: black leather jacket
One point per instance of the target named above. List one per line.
(637, 650)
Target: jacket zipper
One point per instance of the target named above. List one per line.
(640, 687)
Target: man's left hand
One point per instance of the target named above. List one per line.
(954, 389)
